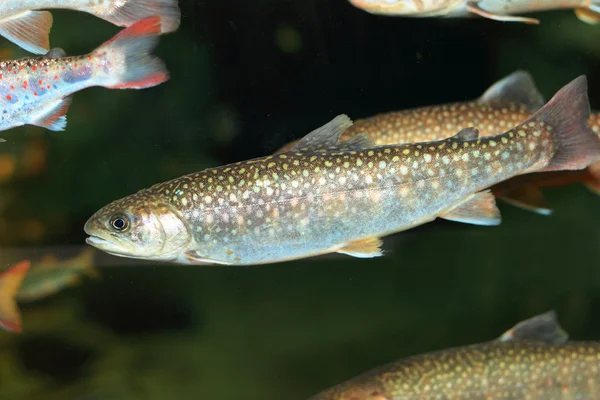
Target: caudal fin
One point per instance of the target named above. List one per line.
(10, 283)
(126, 13)
(566, 115)
(129, 51)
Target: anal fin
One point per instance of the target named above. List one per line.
(543, 328)
(54, 117)
(478, 209)
(474, 8)
(10, 283)
(364, 248)
(527, 197)
(29, 29)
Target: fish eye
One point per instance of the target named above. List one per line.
(119, 223)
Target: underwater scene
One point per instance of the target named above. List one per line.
(299, 200)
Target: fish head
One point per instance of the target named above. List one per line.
(138, 226)
(407, 7)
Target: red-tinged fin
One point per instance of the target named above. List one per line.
(10, 283)
(132, 47)
(593, 183)
(478, 209)
(54, 117)
(29, 30)
(131, 11)
(577, 146)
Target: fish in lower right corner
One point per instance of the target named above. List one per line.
(499, 10)
(532, 360)
(23, 24)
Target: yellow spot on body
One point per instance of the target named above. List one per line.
(406, 151)
(359, 162)
(504, 140)
(493, 143)
(395, 159)
(531, 146)
(417, 153)
(208, 199)
(522, 133)
(184, 201)
(370, 153)
(328, 163)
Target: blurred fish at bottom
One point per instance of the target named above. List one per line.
(22, 283)
(499, 10)
(532, 360)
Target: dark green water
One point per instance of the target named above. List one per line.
(246, 77)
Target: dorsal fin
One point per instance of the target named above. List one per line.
(326, 138)
(518, 87)
(543, 327)
(467, 134)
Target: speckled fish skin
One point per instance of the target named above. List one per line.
(37, 91)
(20, 23)
(544, 368)
(315, 200)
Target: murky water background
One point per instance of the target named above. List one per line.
(245, 79)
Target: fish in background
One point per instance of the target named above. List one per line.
(37, 91)
(506, 103)
(499, 10)
(22, 24)
(532, 360)
(26, 283)
(326, 196)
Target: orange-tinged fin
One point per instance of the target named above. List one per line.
(473, 7)
(29, 30)
(593, 183)
(139, 68)
(364, 248)
(10, 283)
(567, 113)
(126, 13)
(518, 87)
(543, 328)
(528, 197)
(54, 117)
(478, 209)
(588, 16)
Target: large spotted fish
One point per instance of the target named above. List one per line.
(37, 91)
(326, 196)
(505, 104)
(499, 10)
(533, 360)
(23, 25)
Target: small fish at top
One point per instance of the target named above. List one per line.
(26, 283)
(326, 196)
(533, 360)
(37, 91)
(505, 104)
(499, 10)
(22, 24)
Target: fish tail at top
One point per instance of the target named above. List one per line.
(126, 13)
(10, 283)
(134, 65)
(576, 145)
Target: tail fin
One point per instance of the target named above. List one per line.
(576, 145)
(137, 68)
(594, 182)
(132, 11)
(10, 283)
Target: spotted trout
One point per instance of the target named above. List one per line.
(38, 91)
(499, 10)
(22, 24)
(504, 104)
(326, 196)
(533, 360)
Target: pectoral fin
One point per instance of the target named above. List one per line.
(527, 197)
(587, 15)
(29, 30)
(474, 8)
(55, 117)
(364, 248)
(543, 328)
(478, 209)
